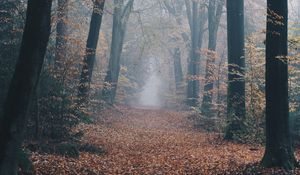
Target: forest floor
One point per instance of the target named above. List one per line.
(154, 141)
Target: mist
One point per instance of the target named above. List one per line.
(149, 96)
(149, 87)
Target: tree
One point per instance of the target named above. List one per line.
(177, 68)
(25, 78)
(120, 18)
(236, 66)
(278, 150)
(196, 16)
(11, 18)
(175, 9)
(61, 34)
(90, 53)
(214, 15)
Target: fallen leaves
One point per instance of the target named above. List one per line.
(154, 142)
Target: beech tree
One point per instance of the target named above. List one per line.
(9, 42)
(25, 78)
(175, 9)
(61, 34)
(196, 17)
(236, 67)
(279, 151)
(215, 8)
(90, 53)
(120, 18)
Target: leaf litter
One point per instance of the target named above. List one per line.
(154, 142)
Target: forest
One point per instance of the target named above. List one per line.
(149, 87)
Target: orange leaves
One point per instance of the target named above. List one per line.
(140, 141)
(87, 164)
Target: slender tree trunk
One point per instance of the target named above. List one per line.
(236, 66)
(120, 18)
(90, 54)
(61, 36)
(220, 76)
(193, 67)
(298, 16)
(279, 151)
(214, 15)
(25, 78)
(177, 68)
(175, 9)
(196, 18)
(37, 112)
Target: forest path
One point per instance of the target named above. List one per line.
(153, 141)
(161, 141)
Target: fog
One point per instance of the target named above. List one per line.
(149, 86)
(150, 95)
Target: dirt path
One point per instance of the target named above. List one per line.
(143, 141)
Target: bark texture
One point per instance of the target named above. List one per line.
(61, 36)
(120, 18)
(214, 16)
(236, 67)
(26, 75)
(90, 53)
(195, 13)
(279, 151)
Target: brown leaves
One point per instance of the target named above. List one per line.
(50, 164)
(153, 142)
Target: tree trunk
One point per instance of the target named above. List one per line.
(214, 15)
(61, 36)
(236, 66)
(193, 65)
(11, 18)
(90, 55)
(120, 18)
(177, 68)
(28, 68)
(175, 9)
(218, 84)
(279, 151)
(196, 19)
